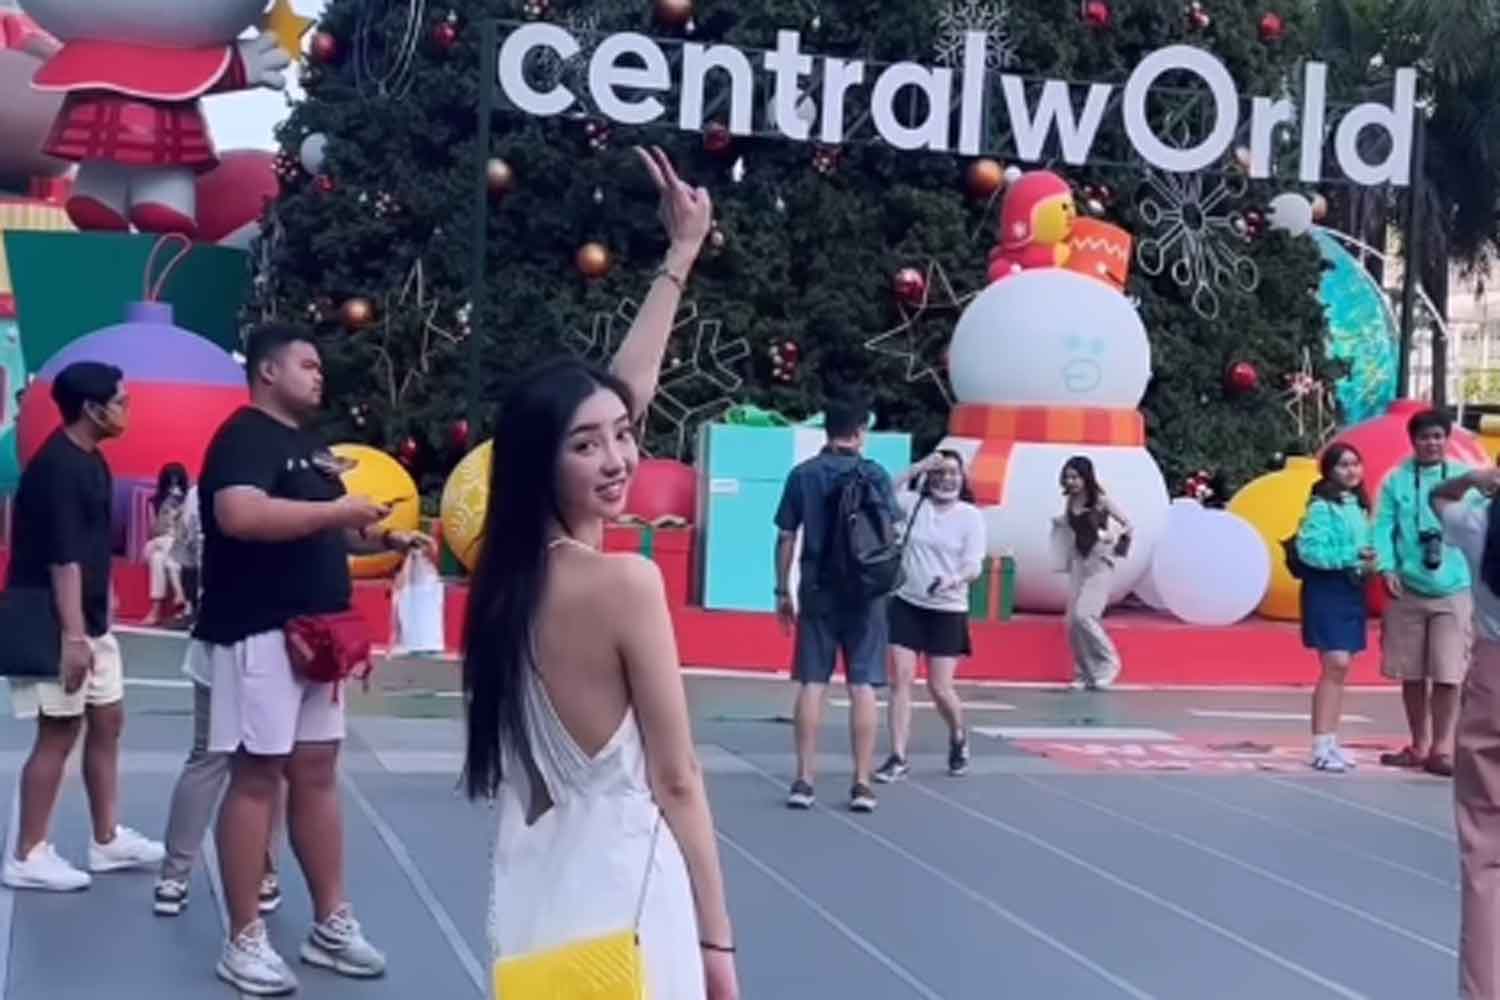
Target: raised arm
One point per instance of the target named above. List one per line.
(1452, 491)
(649, 651)
(687, 213)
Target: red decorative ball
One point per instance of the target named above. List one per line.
(1272, 28)
(663, 487)
(1243, 377)
(408, 452)
(445, 35)
(910, 286)
(717, 138)
(458, 435)
(1097, 14)
(1198, 18)
(325, 47)
(326, 184)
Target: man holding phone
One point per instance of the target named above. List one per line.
(278, 531)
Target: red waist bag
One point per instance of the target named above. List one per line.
(329, 649)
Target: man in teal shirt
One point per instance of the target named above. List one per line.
(1428, 627)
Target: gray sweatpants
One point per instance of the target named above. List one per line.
(196, 798)
(1095, 659)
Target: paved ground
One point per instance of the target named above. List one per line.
(1147, 844)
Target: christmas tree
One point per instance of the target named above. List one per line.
(830, 266)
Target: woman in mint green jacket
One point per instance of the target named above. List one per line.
(1337, 551)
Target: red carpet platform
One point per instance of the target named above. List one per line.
(1025, 649)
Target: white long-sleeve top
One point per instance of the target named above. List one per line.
(943, 543)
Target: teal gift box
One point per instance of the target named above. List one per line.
(741, 471)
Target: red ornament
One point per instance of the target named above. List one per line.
(1243, 377)
(1272, 28)
(408, 452)
(910, 285)
(325, 47)
(1096, 14)
(459, 435)
(326, 184)
(445, 35)
(1198, 18)
(717, 138)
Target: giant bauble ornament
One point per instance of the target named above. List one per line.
(1383, 444)
(380, 478)
(182, 387)
(464, 504)
(663, 487)
(1273, 506)
(233, 196)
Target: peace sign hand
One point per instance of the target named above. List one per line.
(686, 212)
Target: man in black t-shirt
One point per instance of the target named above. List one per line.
(278, 530)
(62, 545)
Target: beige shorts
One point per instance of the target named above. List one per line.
(1428, 638)
(260, 703)
(105, 685)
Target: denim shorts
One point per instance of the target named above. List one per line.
(861, 634)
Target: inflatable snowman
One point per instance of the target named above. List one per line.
(132, 72)
(1048, 363)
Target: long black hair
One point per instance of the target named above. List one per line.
(1328, 488)
(1084, 466)
(510, 573)
(172, 474)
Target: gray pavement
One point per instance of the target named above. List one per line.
(1133, 844)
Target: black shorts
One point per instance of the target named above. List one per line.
(935, 633)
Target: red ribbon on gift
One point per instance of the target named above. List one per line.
(1000, 428)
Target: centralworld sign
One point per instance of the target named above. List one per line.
(631, 79)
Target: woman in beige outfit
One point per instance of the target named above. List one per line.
(1086, 547)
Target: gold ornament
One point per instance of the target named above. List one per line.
(593, 260)
(356, 313)
(499, 175)
(985, 177)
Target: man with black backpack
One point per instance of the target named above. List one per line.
(845, 508)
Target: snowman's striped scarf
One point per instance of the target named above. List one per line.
(998, 428)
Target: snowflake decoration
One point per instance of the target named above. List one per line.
(961, 16)
(1195, 232)
(702, 373)
(1305, 390)
(905, 341)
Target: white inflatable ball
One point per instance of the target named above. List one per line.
(1291, 213)
(1050, 337)
(1212, 568)
(1181, 509)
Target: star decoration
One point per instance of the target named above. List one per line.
(288, 26)
(412, 301)
(906, 342)
(1304, 390)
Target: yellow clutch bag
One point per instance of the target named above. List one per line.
(609, 967)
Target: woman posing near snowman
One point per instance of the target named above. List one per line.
(1087, 548)
(929, 615)
(1336, 547)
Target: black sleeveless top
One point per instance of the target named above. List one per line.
(1086, 525)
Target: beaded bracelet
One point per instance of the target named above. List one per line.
(663, 272)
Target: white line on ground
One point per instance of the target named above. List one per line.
(160, 683)
(7, 895)
(854, 937)
(1014, 919)
(1192, 791)
(1138, 890)
(1260, 716)
(1096, 734)
(1302, 786)
(449, 929)
(969, 706)
(1265, 873)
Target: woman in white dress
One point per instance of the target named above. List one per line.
(577, 718)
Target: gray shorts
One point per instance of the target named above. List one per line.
(862, 635)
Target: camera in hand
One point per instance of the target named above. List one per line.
(1432, 548)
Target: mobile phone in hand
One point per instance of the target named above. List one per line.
(932, 588)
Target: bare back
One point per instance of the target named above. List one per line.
(578, 648)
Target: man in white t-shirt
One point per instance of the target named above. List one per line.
(1466, 507)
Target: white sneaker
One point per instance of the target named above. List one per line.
(170, 897)
(1344, 758)
(128, 850)
(1330, 762)
(44, 869)
(251, 965)
(338, 944)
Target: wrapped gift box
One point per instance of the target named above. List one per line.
(669, 546)
(992, 597)
(741, 473)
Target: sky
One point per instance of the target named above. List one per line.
(246, 120)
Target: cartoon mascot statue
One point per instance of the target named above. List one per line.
(132, 72)
(1036, 221)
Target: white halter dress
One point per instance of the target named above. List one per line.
(577, 872)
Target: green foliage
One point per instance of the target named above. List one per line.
(807, 258)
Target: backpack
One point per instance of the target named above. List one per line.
(862, 559)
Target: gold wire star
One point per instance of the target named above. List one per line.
(904, 340)
(1304, 388)
(288, 26)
